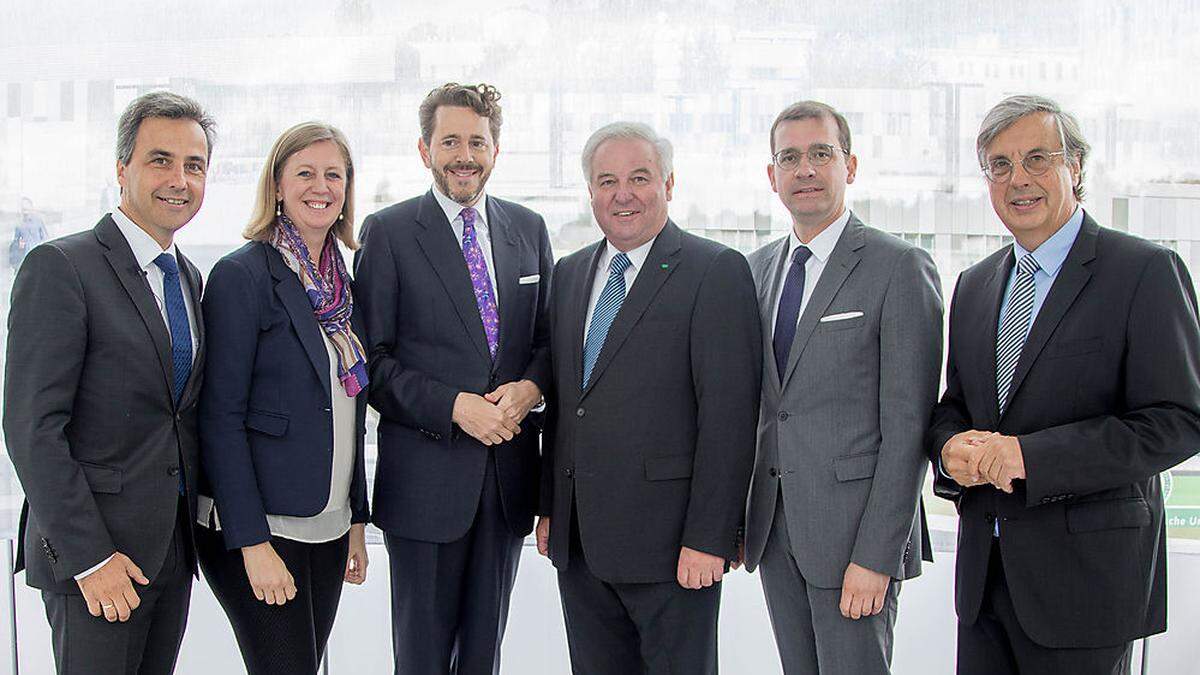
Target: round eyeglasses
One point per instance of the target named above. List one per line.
(819, 154)
(1036, 163)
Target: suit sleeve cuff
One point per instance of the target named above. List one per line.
(94, 568)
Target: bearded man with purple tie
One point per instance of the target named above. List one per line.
(454, 285)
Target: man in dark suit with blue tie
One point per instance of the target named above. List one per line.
(1072, 381)
(650, 442)
(105, 352)
(454, 287)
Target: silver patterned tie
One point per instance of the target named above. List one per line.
(1015, 327)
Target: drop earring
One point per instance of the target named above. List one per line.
(278, 209)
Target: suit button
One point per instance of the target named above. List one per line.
(783, 416)
(773, 472)
(579, 412)
(172, 471)
(991, 518)
(569, 472)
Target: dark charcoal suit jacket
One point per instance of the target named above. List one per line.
(89, 417)
(656, 452)
(1106, 395)
(427, 344)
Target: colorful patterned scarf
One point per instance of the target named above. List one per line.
(328, 288)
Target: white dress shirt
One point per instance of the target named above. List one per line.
(821, 247)
(637, 258)
(145, 250)
(483, 234)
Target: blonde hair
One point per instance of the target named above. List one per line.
(299, 137)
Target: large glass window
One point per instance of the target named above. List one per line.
(914, 79)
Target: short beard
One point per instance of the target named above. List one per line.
(439, 179)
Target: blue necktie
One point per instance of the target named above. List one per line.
(789, 309)
(177, 321)
(605, 311)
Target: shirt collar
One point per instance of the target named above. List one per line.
(1053, 252)
(822, 244)
(452, 208)
(145, 249)
(637, 257)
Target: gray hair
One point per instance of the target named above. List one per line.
(630, 131)
(1007, 112)
(159, 104)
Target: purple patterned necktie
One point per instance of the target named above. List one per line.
(485, 298)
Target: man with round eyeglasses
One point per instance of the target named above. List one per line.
(1073, 380)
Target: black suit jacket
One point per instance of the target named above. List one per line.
(266, 420)
(427, 345)
(656, 452)
(1106, 395)
(89, 417)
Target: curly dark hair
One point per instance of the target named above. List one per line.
(484, 99)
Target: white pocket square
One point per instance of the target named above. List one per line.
(529, 279)
(841, 317)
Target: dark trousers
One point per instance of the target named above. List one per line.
(450, 601)
(997, 645)
(286, 639)
(628, 629)
(146, 644)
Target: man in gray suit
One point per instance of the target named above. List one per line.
(852, 330)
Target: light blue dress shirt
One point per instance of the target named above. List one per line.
(1050, 256)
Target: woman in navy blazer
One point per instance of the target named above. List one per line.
(282, 413)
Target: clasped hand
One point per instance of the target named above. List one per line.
(496, 416)
(976, 457)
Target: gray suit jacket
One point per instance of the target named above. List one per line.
(843, 436)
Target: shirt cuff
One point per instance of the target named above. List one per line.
(942, 471)
(94, 568)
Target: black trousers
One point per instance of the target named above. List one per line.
(146, 644)
(450, 601)
(628, 629)
(286, 639)
(997, 645)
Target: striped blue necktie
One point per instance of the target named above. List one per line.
(605, 311)
(1015, 327)
(177, 322)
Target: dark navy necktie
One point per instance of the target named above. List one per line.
(789, 309)
(177, 322)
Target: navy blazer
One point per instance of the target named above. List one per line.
(266, 439)
(427, 344)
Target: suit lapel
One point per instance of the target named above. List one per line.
(581, 295)
(299, 308)
(768, 289)
(985, 336)
(1071, 278)
(437, 241)
(120, 257)
(659, 266)
(506, 258)
(841, 262)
